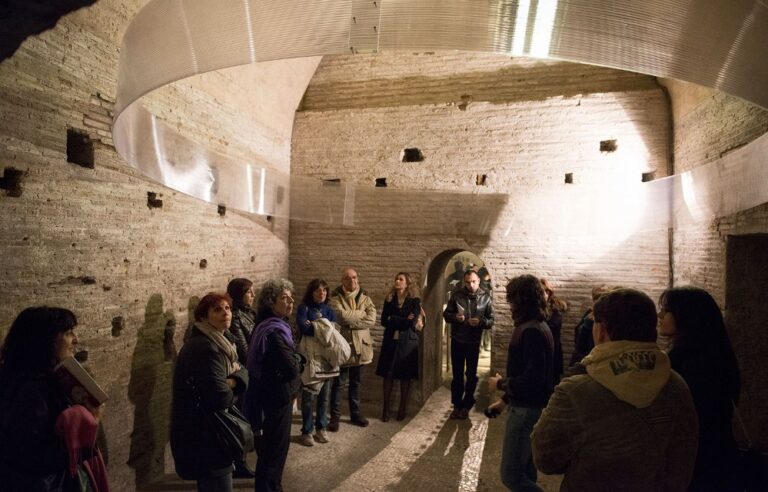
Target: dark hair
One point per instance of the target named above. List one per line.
(31, 342)
(471, 272)
(700, 328)
(312, 286)
(208, 301)
(526, 298)
(627, 314)
(237, 288)
(554, 303)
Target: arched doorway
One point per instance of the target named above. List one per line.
(445, 274)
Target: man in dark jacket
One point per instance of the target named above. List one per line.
(469, 312)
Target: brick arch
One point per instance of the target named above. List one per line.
(433, 300)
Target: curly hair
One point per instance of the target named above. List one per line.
(30, 345)
(526, 298)
(270, 291)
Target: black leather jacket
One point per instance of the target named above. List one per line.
(478, 305)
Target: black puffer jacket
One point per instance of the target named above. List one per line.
(479, 305)
(243, 322)
(203, 362)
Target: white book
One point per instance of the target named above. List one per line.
(78, 385)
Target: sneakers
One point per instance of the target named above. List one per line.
(306, 440)
(321, 436)
(359, 421)
(333, 426)
(464, 413)
(459, 413)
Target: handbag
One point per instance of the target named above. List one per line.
(229, 431)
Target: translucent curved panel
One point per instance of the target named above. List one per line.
(721, 44)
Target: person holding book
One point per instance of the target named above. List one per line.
(206, 379)
(44, 436)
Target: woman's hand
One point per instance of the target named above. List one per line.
(411, 316)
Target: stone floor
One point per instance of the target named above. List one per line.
(427, 452)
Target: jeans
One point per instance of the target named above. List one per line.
(220, 483)
(348, 376)
(464, 354)
(321, 416)
(517, 470)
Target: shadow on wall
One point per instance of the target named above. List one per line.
(150, 392)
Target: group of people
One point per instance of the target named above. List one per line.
(249, 357)
(628, 416)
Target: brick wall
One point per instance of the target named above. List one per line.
(86, 240)
(523, 124)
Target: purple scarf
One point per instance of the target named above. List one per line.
(260, 342)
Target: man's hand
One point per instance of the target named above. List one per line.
(474, 321)
(460, 317)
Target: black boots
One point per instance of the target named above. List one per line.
(405, 386)
(387, 397)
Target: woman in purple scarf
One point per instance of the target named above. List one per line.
(274, 368)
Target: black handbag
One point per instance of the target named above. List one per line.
(227, 429)
(231, 432)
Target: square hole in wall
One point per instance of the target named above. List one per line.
(332, 182)
(481, 180)
(649, 176)
(412, 155)
(608, 145)
(79, 148)
(568, 178)
(381, 182)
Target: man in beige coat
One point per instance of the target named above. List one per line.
(356, 314)
(628, 421)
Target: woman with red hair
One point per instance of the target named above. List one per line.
(206, 379)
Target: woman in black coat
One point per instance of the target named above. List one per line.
(32, 456)
(701, 353)
(399, 358)
(206, 379)
(274, 368)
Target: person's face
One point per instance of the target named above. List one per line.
(320, 294)
(65, 344)
(667, 326)
(349, 280)
(219, 316)
(472, 282)
(283, 306)
(401, 283)
(249, 296)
